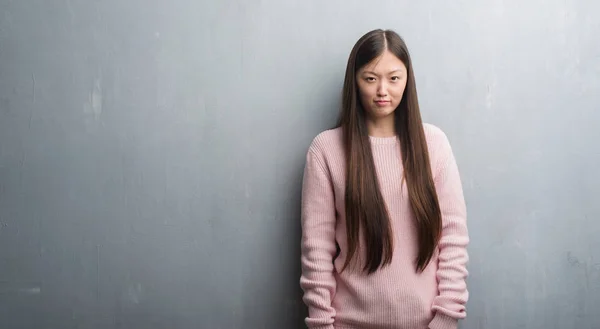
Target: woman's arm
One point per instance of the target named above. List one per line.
(318, 242)
(449, 305)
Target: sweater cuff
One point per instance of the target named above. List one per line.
(443, 321)
(325, 326)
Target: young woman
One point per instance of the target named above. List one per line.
(384, 231)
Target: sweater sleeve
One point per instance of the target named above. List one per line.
(318, 243)
(450, 304)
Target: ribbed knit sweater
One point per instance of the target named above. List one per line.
(396, 296)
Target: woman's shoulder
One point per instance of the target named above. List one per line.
(435, 136)
(433, 131)
(327, 141)
(438, 145)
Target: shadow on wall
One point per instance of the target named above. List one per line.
(272, 297)
(295, 307)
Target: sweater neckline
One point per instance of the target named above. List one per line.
(383, 140)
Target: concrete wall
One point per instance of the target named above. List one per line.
(151, 154)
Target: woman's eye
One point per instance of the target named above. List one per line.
(395, 78)
(370, 79)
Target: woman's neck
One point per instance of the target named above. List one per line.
(382, 127)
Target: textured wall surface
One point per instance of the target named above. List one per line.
(151, 154)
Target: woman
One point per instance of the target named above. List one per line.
(384, 232)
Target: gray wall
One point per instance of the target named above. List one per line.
(151, 154)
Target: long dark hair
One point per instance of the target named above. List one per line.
(364, 204)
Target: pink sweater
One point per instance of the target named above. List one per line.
(395, 296)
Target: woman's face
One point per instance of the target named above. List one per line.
(381, 85)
